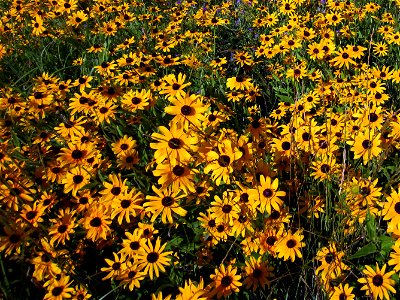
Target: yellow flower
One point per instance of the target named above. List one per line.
(267, 195)
(151, 259)
(289, 246)
(366, 145)
(221, 162)
(225, 281)
(377, 283)
(239, 83)
(165, 203)
(187, 109)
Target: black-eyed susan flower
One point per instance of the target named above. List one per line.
(123, 145)
(225, 209)
(192, 290)
(173, 144)
(366, 145)
(225, 281)
(174, 85)
(166, 203)
(238, 83)
(58, 288)
(258, 273)
(75, 179)
(96, 223)
(395, 256)
(12, 239)
(266, 195)
(391, 208)
(330, 262)
(221, 163)
(289, 246)
(187, 110)
(62, 227)
(377, 283)
(130, 275)
(341, 292)
(343, 57)
(178, 175)
(152, 259)
(127, 205)
(115, 189)
(76, 154)
(115, 267)
(132, 244)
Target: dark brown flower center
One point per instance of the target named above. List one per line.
(62, 228)
(373, 117)
(95, 222)
(77, 154)
(174, 143)
(365, 191)
(342, 296)
(103, 110)
(377, 280)
(211, 223)
(224, 160)
(323, 144)
(329, 258)
(31, 215)
(291, 243)
(57, 291)
(397, 207)
(136, 100)
(134, 245)
(271, 240)
(125, 203)
(77, 179)
(83, 200)
(220, 228)
(367, 144)
(131, 274)
(152, 257)
(226, 281)
(325, 168)
(275, 215)
(178, 170)
(186, 110)
(306, 136)
(116, 190)
(116, 266)
(257, 273)
(268, 193)
(227, 208)
(285, 146)
(167, 201)
(239, 79)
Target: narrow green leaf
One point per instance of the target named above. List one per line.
(371, 227)
(15, 140)
(364, 251)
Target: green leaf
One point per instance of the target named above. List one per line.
(364, 251)
(119, 131)
(386, 243)
(175, 242)
(371, 227)
(102, 178)
(15, 140)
